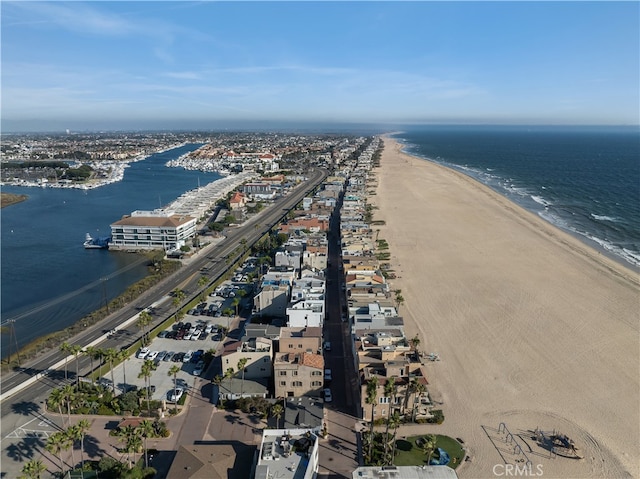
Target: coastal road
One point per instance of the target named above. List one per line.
(210, 262)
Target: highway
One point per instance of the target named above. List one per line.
(213, 261)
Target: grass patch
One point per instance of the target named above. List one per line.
(408, 454)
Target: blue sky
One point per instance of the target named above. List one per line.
(117, 65)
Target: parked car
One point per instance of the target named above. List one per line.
(161, 356)
(152, 355)
(327, 375)
(328, 397)
(187, 356)
(163, 334)
(168, 356)
(142, 354)
(197, 371)
(203, 335)
(177, 358)
(175, 394)
(327, 345)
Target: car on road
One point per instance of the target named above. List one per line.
(142, 354)
(328, 397)
(327, 375)
(327, 345)
(175, 394)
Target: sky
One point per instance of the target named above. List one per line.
(181, 65)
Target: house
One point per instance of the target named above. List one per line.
(257, 351)
(298, 374)
(237, 200)
(300, 339)
(306, 312)
(157, 229)
(401, 388)
(228, 460)
(288, 454)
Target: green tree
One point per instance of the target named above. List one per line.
(428, 446)
(130, 436)
(173, 371)
(144, 320)
(83, 427)
(56, 400)
(123, 356)
(415, 342)
(110, 355)
(146, 430)
(411, 388)
(56, 443)
(420, 390)
(93, 353)
(69, 395)
(202, 282)
(241, 365)
(235, 303)
(33, 469)
(66, 349)
(276, 411)
(178, 298)
(148, 366)
(76, 349)
(389, 389)
(399, 298)
(372, 396)
(394, 421)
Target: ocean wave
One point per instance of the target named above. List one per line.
(604, 218)
(541, 201)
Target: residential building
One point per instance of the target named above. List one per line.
(157, 229)
(298, 374)
(288, 454)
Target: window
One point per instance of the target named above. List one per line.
(316, 373)
(294, 373)
(316, 384)
(299, 346)
(283, 383)
(297, 384)
(397, 400)
(384, 400)
(282, 373)
(265, 360)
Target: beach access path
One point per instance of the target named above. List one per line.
(533, 327)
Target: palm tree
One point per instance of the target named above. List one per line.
(110, 355)
(82, 426)
(202, 282)
(411, 388)
(420, 390)
(399, 299)
(68, 393)
(389, 388)
(148, 366)
(73, 434)
(55, 445)
(428, 446)
(372, 396)
(123, 356)
(415, 342)
(76, 349)
(144, 320)
(132, 441)
(92, 352)
(146, 430)
(394, 420)
(56, 400)
(276, 411)
(235, 303)
(173, 371)
(217, 380)
(241, 364)
(33, 469)
(178, 297)
(65, 348)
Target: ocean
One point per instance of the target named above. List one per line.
(49, 281)
(584, 180)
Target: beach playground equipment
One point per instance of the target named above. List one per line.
(442, 460)
(557, 443)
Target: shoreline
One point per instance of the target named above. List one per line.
(582, 238)
(525, 316)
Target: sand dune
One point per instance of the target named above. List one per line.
(534, 328)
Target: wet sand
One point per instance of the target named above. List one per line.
(534, 328)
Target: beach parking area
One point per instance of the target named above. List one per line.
(534, 329)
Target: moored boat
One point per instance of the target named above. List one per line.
(96, 243)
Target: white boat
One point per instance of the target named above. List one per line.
(96, 243)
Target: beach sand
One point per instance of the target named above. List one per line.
(534, 329)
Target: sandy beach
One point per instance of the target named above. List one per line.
(534, 328)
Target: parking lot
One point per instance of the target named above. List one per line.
(200, 331)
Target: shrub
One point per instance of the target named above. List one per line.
(438, 417)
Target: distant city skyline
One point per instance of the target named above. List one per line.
(197, 65)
